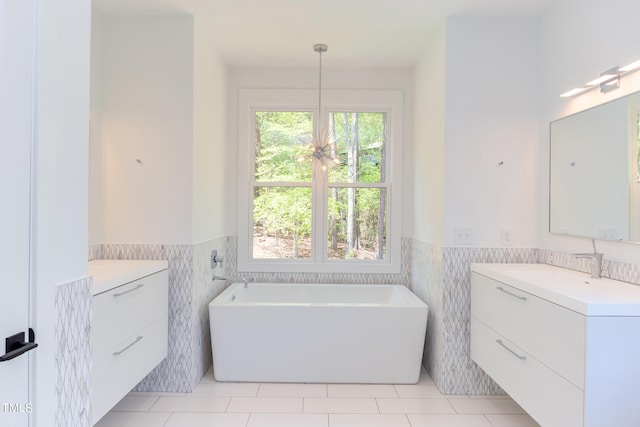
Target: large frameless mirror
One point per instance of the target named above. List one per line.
(595, 172)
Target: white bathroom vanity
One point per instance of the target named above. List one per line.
(129, 329)
(563, 345)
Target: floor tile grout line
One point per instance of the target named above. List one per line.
(408, 420)
(168, 418)
(488, 420)
(453, 406)
(254, 394)
(154, 402)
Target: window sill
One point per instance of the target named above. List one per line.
(333, 267)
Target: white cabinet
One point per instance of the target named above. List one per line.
(130, 327)
(558, 342)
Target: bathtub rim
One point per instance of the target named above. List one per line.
(224, 298)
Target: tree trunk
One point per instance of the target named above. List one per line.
(333, 221)
(383, 193)
(351, 139)
(258, 153)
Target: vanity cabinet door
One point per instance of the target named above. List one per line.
(550, 399)
(118, 370)
(129, 337)
(566, 349)
(552, 334)
(127, 308)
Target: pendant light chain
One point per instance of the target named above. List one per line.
(319, 95)
(320, 48)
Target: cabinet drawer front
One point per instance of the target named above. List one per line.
(119, 312)
(546, 396)
(552, 334)
(126, 364)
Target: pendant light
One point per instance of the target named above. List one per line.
(322, 145)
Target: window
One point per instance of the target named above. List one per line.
(637, 156)
(295, 215)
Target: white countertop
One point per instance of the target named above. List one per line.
(108, 274)
(574, 290)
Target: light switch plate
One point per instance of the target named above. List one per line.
(506, 236)
(463, 236)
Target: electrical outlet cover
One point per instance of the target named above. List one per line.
(462, 236)
(506, 236)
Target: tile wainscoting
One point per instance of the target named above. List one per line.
(205, 291)
(439, 276)
(231, 270)
(175, 372)
(426, 282)
(615, 270)
(442, 278)
(73, 308)
(461, 375)
(190, 291)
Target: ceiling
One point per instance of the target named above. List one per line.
(359, 33)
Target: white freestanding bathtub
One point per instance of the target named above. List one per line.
(317, 333)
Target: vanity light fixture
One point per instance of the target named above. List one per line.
(323, 146)
(631, 67)
(608, 80)
(573, 92)
(605, 77)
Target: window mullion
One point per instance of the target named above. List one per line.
(318, 213)
(263, 189)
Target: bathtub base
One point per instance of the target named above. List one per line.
(321, 343)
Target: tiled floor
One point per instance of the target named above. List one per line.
(214, 404)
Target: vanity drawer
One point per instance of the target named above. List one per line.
(552, 334)
(117, 371)
(120, 311)
(550, 399)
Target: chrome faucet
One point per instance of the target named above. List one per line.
(596, 261)
(243, 279)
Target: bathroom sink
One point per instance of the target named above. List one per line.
(572, 289)
(556, 277)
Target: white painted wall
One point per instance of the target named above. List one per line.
(96, 183)
(424, 176)
(145, 130)
(582, 38)
(290, 78)
(210, 145)
(491, 116)
(158, 95)
(60, 170)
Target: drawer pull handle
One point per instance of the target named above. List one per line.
(511, 351)
(500, 288)
(130, 290)
(138, 339)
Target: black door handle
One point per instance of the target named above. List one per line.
(15, 345)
